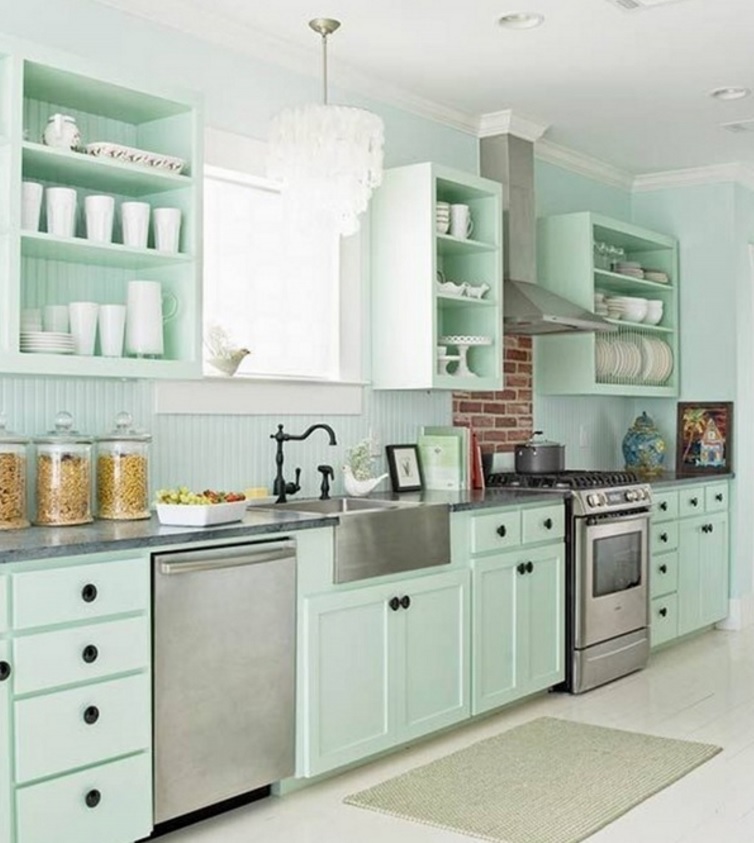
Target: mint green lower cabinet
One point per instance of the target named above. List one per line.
(518, 624)
(702, 571)
(663, 618)
(375, 676)
(110, 803)
(5, 748)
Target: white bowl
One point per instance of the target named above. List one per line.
(634, 312)
(201, 515)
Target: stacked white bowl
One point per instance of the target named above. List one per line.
(654, 312)
(627, 308)
(442, 217)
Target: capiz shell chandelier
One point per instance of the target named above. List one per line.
(327, 157)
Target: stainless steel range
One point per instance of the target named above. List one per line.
(607, 567)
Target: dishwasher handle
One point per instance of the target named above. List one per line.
(218, 558)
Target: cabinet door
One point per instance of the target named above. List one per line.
(540, 621)
(3, 603)
(702, 572)
(344, 706)
(663, 619)
(431, 662)
(5, 744)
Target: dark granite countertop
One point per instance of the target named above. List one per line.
(102, 536)
(671, 478)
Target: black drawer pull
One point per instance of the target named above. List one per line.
(502, 530)
(719, 497)
(5, 671)
(663, 569)
(711, 528)
(664, 506)
(89, 653)
(394, 604)
(663, 612)
(93, 798)
(91, 715)
(548, 523)
(405, 601)
(529, 567)
(694, 501)
(521, 568)
(663, 537)
(89, 593)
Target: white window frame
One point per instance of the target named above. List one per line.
(227, 151)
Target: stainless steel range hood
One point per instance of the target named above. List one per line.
(528, 307)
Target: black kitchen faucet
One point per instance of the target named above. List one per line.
(280, 487)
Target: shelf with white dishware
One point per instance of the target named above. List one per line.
(640, 358)
(40, 244)
(465, 301)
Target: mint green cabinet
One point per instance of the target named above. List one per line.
(382, 664)
(703, 571)
(6, 835)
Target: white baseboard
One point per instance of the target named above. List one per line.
(740, 613)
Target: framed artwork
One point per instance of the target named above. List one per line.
(704, 438)
(405, 468)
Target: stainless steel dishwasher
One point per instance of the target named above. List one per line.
(224, 673)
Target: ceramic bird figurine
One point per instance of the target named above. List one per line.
(359, 488)
(228, 365)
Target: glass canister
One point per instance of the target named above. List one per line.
(123, 472)
(12, 479)
(64, 475)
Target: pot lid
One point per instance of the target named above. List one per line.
(540, 442)
(7, 437)
(125, 431)
(64, 434)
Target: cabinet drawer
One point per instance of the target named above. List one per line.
(691, 501)
(3, 603)
(663, 536)
(663, 619)
(52, 734)
(122, 814)
(663, 574)
(546, 523)
(716, 497)
(80, 592)
(80, 654)
(495, 530)
(664, 505)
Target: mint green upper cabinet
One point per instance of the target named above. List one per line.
(703, 571)
(43, 268)
(410, 258)
(645, 359)
(5, 743)
(379, 672)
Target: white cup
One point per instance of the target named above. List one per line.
(31, 319)
(461, 224)
(83, 316)
(61, 211)
(31, 205)
(145, 317)
(112, 324)
(167, 229)
(99, 211)
(55, 318)
(135, 223)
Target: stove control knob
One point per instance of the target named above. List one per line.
(594, 500)
(631, 495)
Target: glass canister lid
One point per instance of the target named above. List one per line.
(7, 437)
(124, 431)
(64, 434)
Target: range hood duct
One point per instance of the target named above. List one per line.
(528, 307)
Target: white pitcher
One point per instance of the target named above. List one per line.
(145, 317)
(62, 132)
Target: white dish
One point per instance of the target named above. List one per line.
(464, 340)
(131, 155)
(201, 515)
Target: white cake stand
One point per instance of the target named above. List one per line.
(463, 344)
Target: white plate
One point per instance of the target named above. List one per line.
(201, 515)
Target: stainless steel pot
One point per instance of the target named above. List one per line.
(538, 456)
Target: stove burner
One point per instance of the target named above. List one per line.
(563, 480)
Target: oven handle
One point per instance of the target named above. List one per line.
(641, 515)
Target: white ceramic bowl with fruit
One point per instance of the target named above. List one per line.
(184, 508)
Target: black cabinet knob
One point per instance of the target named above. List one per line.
(711, 528)
(91, 715)
(93, 798)
(694, 501)
(4, 671)
(663, 569)
(394, 603)
(89, 653)
(547, 523)
(89, 593)
(663, 537)
(664, 506)
(663, 612)
(529, 567)
(521, 568)
(502, 530)
(719, 497)
(405, 601)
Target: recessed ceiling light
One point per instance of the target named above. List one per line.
(521, 20)
(730, 93)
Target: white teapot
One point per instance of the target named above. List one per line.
(62, 132)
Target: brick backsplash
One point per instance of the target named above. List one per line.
(500, 419)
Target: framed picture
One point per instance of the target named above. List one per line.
(704, 438)
(405, 468)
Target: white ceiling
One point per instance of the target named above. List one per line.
(626, 87)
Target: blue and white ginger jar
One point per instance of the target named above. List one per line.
(644, 448)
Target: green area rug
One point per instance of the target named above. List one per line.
(548, 781)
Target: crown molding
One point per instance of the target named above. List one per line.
(583, 164)
(742, 174)
(508, 122)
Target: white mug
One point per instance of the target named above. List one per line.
(167, 229)
(31, 205)
(145, 317)
(55, 317)
(112, 324)
(135, 223)
(83, 316)
(461, 224)
(61, 211)
(99, 212)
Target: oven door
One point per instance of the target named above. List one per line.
(611, 570)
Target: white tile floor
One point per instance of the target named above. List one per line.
(702, 689)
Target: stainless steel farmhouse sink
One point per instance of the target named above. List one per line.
(376, 537)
